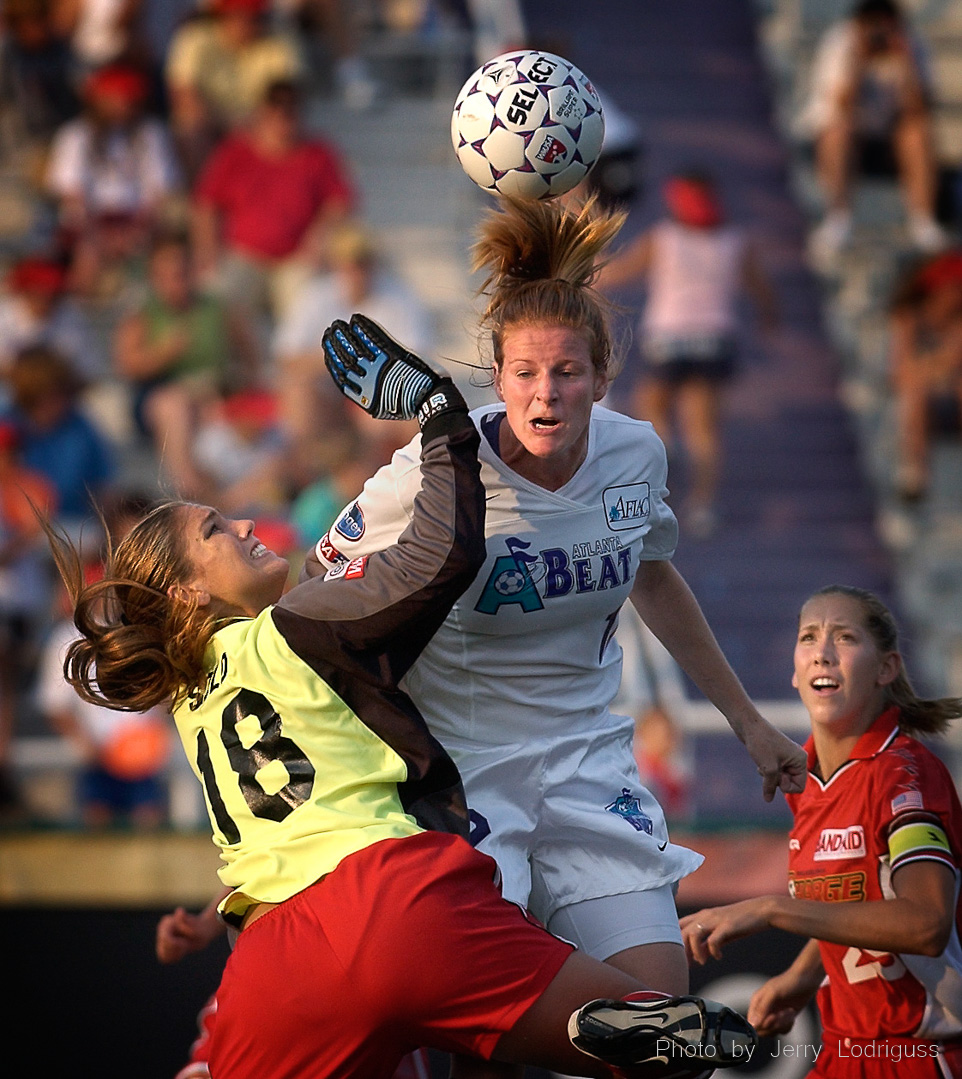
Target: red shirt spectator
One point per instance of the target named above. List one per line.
(264, 207)
(268, 203)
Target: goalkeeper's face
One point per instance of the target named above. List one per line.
(548, 383)
(232, 572)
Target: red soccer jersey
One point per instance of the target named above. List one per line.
(269, 203)
(893, 802)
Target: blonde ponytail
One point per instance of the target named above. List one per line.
(540, 259)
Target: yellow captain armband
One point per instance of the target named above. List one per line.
(919, 840)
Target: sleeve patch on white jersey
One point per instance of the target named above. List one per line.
(355, 568)
(350, 571)
(327, 553)
(351, 523)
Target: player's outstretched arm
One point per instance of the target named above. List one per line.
(375, 519)
(666, 604)
(917, 921)
(399, 596)
(779, 761)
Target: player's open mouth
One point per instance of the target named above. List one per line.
(258, 550)
(544, 423)
(824, 684)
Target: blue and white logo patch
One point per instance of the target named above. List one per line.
(626, 506)
(627, 806)
(351, 524)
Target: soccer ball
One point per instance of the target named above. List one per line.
(510, 583)
(527, 124)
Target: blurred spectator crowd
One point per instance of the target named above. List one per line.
(868, 96)
(192, 230)
(189, 235)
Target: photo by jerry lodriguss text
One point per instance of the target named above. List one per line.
(868, 1050)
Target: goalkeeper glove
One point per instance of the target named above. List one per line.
(381, 376)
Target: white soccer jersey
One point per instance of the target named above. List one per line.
(518, 681)
(532, 638)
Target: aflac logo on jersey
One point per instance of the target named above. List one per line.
(626, 805)
(351, 524)
(627, 506)
(837, 843)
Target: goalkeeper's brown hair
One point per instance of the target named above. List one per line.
(138, 647)
(540, 259)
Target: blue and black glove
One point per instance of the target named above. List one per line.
(381, 376)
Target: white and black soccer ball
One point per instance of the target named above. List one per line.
(527, 124)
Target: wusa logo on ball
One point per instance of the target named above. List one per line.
(551, 150)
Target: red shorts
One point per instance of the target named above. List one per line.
(887, 1058)
(415, 1065)
(196, 1067)
(406, 943)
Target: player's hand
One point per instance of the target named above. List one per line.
(769, 1018)
(381, 376)
(780, 762)
(180, 933)
(775, 1005)
(706, 932)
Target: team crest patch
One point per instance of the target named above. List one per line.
(626, 506)
(351, 523)
(628, 807)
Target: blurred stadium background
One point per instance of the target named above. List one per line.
(807, 499)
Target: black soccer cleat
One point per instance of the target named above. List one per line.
(676, 1036)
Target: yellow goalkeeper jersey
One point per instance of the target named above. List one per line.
(306, 749)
